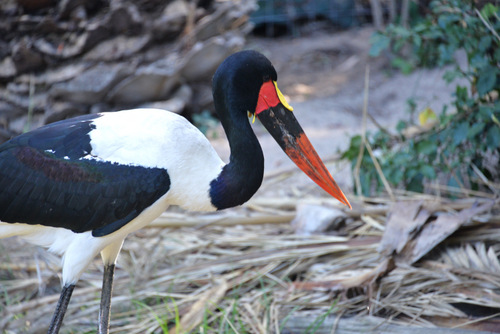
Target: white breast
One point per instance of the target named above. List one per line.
(161, 139)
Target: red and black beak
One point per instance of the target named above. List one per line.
(276, 115)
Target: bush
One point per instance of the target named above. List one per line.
(462, 149)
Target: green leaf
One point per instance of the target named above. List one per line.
(451, 75)
(416, 183)
(478, 60)
(352, 152)
(474, 130)
(460, 133)
(428, 172)
(484, 43)
(401, 126)
(379, 42)
(495, 119)
(426, 147)
(493, 137)
(396, 175)
(486, 81)
(403, 65)
(485, 113)
(366, 182)
(488, 10)
(461, 94)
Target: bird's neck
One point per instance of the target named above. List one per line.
(242, 176)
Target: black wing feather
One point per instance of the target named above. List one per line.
(45, 180)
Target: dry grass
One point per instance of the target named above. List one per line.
(246, 271)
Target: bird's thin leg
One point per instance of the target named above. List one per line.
(109, 256)
(107, 291)
(61, 308)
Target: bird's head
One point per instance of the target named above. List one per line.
(246, 82)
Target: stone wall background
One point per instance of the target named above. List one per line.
(60, 59)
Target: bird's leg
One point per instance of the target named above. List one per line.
(107, 291)
(61, 308)
(109, 256)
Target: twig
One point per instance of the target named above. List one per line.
(464, 191)
(363, 134)
(380, 172)
(405, 12)
(379, 126)
(377, 14)
(165, 221)
(484, 178)
(490, 28)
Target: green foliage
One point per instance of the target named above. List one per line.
(463, 144)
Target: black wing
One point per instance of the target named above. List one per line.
(45, 180)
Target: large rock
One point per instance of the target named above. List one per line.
(227, 17)
(172, 21)
(204, 58)
(7, 68)
(176, 103)
(9, 111)
(61, 110)
(149, 83)
(25, 58)
(91, 86)
(118, 48)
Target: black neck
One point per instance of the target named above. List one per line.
(242, 176)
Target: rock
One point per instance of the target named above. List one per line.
(92, 85)
(118, 48)
(4, 48)
(75, 43)
(52, 60)
(96, 33)
(173, 19)
(23, 123)
(226, 17)
(25, 58)
(202, 97)
(27, 23)
(176, 103)
(57, 111)
(32, 5)
(65, 7)
(202, 60)
(311, 219)
(19, 88)
(9, 111)
(63, 50)
(5, 134)
(100, 107)
(49, 26)
(7, 68)
(79, 14)
(177, 8)
(58, 74)
(124, 19)
(37, 101)
(167, 28)
(143, 87)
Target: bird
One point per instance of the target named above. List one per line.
(79, 186)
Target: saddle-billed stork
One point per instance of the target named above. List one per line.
(81, 185)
